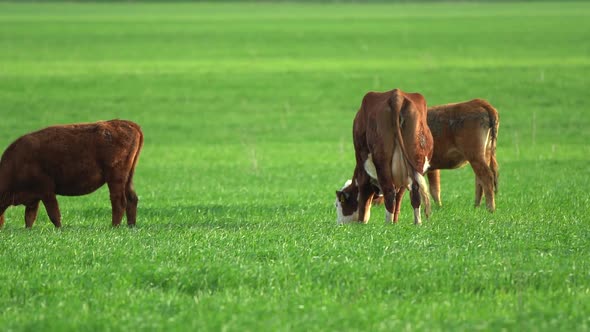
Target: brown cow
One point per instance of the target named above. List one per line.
(465, 132)
(393, 146)
(71, 160)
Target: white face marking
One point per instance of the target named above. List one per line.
(342, 219)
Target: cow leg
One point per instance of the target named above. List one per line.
(131, 204)
(389, 199)
(494, 167)
(31, 213)
(2, 210)
(434, 182)
(415, 197)
(478, 192)
(52, 208)
(485, 178)
(365, 199)
(398, 202)
(365, 195)
(118, 200)
(384, 176)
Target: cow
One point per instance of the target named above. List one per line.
(71, 160)
(393, 146)
(464, 133)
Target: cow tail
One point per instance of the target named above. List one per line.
(424, 193)
(494, 123)
(397, 102)
(138, 148)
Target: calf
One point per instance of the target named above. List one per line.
(465, 132)
(71, 160)
(393, 146)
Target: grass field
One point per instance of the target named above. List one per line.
(247, 113)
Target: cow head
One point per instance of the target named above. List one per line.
(347, 203)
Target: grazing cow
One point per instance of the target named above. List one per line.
(393, 146)
(465, 132)
(71, 160)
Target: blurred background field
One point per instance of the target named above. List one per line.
(247, 113)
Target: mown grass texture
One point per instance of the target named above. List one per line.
(247, 112)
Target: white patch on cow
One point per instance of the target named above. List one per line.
(421, 181)
(388, 217)
(370, 167)
(346, 184)
(426, 165)
(417, 218)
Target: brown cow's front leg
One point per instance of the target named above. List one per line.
(52, 209)
(365, 199)
(415, 197)
(434, 182)
(31, 213)
(365, 196)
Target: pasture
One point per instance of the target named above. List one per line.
(247, 112)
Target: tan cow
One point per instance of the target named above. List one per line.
(393, 146)
(71, 160)
(465, 133)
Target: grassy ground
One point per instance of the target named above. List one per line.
(247, 112)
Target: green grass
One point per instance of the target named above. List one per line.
(247, 112)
